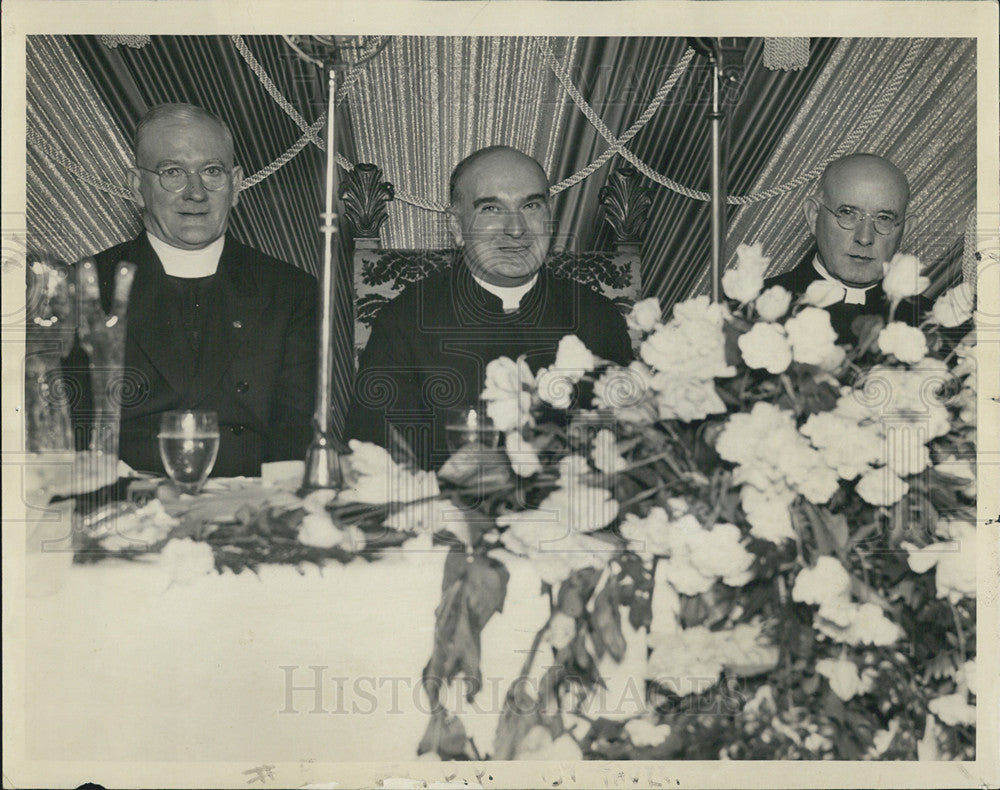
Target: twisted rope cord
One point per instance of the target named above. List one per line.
(616, 146)
(642, 120)
(50, 153)
(272, 89)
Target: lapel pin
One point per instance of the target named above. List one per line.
(237, 324)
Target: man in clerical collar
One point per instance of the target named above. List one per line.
(213, 324)
(857, 216)
(429, 347)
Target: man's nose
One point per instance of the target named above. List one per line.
(195, 190)
(514, 224)
(864, 233)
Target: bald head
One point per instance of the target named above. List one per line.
(180, 113)
(858, 190)
(864, 167)
(493, 152)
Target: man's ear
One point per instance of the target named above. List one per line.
(237, 181)
(456, 228)
(810, 207)
(134, 181)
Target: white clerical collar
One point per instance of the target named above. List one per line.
(852, 295)
(510, 295)
(188, 263)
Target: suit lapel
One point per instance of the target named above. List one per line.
(156, 325)
(232, 320)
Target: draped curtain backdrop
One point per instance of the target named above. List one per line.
(423, 103)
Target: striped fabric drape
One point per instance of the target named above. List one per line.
(928, 129)
(428, 102)
(67, 217)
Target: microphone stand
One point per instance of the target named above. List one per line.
(712, 49)
(323, 467)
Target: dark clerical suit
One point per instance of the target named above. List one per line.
(842, 314)
(430, 346)
(255, 364)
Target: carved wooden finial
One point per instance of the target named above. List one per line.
(365, 195)
(626, 204)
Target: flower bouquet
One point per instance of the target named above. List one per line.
(774, 531)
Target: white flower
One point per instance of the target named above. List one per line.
(955, 560)
(643, 732)
(604, 451)
(767, 512)
(868, 626)
(187, 560)
(551, 534)
(506, 392)
(771, 451)
(843, 675)
(882, 740)
(686, 399)
(720, 552)
(376, 478)
(692, 344)
(895, 396)
(522, 454)
(697, 557)
(689, 660)
(538, 745)
(907, 343)
(812, 336)
(318, 529)
(954, 709)
(822, 293)
(573, 358)
(954, 306)
(904, 454)
(140, 530)
(766, 346)
(555, 387)
(902, 278)
(644, 315)
(773, 303)
(826, 581)
(961, 469)
(881, 487)
(628, 391)
(686, 661)
(745, 281)
(650, 535)
(846, 445)
(969, 673)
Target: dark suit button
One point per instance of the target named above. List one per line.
(236, 429)
(242, 386)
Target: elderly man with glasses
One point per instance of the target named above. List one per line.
(857, 216)
(213, 324)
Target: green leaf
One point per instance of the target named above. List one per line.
(605, 623)
(576, 591)
(445, 736)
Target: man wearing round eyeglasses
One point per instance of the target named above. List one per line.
(857, 216)
(213, 324)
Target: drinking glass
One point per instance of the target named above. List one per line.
(189, 442)
(470, 427)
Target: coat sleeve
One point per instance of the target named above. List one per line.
(290, 429)
(388, 380)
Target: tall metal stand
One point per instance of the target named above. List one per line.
(712, 49)
(323, 458)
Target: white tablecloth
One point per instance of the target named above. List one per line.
(122, 664)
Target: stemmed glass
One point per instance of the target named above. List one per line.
(189, 442)
(469, 427)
